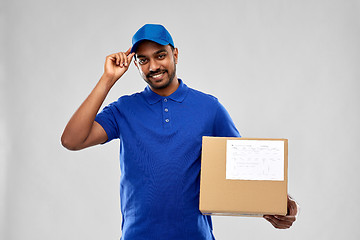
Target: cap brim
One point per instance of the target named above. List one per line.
(135, 45)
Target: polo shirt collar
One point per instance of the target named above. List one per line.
(177, 96)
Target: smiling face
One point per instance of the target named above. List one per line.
(157, 64)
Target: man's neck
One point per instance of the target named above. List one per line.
(169, 89)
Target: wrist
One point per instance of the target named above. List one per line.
(107, 81)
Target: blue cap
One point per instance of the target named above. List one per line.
(152, 32)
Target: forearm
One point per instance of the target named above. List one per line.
(81, 131)
(79, 126)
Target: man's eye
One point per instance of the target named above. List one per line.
(161, 56)
(142, 61)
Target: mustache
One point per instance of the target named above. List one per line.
(152, 73)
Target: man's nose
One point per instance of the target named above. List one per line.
(154, 65)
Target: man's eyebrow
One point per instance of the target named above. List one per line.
(161, 51)
(157, 52)
(140, 56)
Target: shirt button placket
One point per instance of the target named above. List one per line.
(166, 113)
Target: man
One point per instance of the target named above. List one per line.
(161, 130)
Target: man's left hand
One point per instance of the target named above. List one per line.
(284, 222)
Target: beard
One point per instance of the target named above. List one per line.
(171, 76)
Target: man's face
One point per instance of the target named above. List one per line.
(156, 63)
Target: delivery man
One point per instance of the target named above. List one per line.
(160, 131)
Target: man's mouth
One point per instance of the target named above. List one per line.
(157, 76)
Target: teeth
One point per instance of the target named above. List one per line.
(158, 75)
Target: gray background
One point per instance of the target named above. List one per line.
(282, 69)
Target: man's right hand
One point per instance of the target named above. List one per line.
(82, 131)
(117, 64)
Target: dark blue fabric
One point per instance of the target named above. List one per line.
(160, 151)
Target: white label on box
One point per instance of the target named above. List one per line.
(255, 160)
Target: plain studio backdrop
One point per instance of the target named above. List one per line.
(283, 69)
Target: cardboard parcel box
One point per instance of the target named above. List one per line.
(243, 176)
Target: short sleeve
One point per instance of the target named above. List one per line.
(108, 119)
(223, 124)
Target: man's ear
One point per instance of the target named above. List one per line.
(176, 55)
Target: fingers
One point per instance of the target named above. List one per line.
(284, 222)
(292, 207)
(130, 56)
(280, 222)
(122, 59)
(128, 51)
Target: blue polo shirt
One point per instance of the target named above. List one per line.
(160, 150)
